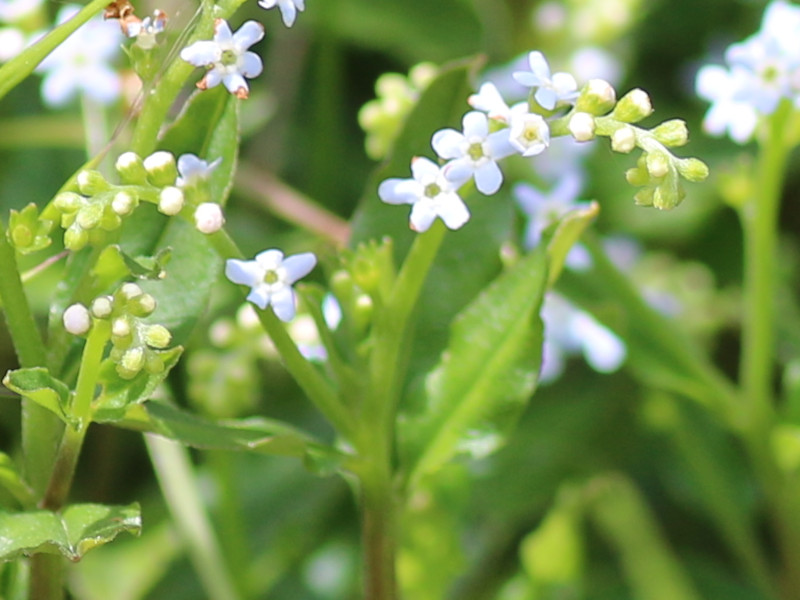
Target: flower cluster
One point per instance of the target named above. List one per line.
(761, 71)
(136, 345)
(100, 206)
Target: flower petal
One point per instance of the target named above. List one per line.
(259, 296)
(400, 191)
(422, 215)
(247, 35)
(488, 178)
(202, 53)
(299, 265)
(284, 304)
(244, 272)
(250, 65)
(447, 143)
(454, 212)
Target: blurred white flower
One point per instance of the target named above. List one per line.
(545, 208)
(12, 42)
(82, 64)
(192, 169)
(550, 89)
(12, 11)
(288, 8)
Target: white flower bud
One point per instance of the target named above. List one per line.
(581, 126)
(623, 140)
(597, 97)
(102, 307)
(131, 169)
(69, 202)
(90, 215)
(657, 164)
(130, 291)
(123, 203)
(633, 107)
(92, 182)
(120, 328)
(208, 217)
(142, 305)
(161, 168)
(170, 201)
(77, 319)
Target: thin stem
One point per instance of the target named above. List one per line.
(759, 221)
(174, 472)
(378, 535)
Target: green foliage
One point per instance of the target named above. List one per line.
(77, 530)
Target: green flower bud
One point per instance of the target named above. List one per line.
(668, 195)
(633, 107)
(161, 168)
(75, 238)
(131, 363)
(130, 167)
(157, 336)
(644, 197)
(68, 202)
(623, 139)
(596, 98)
(90, 215)
(657, 164)
(692, 169)
(124, 203)
(110, 220)
(142, 305)
(21, 236)
(92, 182)
(102, 306)
(638, 176)
(153, 364)
(672, 133)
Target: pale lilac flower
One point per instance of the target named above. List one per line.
(193, 170)
(550, 89)
(82, 63)
(473, 153)
(726, 113)
(145, 30)
(12, 42)
(227, 58)
(542, 209)
(569, 331)
(430, 195)
(528, 132)
(288, 8)
(270, 277)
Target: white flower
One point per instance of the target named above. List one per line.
(145, 30)
(193, 170)
(12, 11)
(568, 331)
(545, 208)
(429, 193)
(489, 100)
(12, 42)
(473, 152)
(528, 132)
(721, 87)
(560, 87)
(81, 63)
(288, 8)
(227, 57)
(270, 278)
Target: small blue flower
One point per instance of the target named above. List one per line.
(270, 277)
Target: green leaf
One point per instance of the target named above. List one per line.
(567, 232)
(12, 481)
(484, 377)
(78, 529)
(255, 434)
(36, 384)
(116, 393)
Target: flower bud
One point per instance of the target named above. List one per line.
(154, 364)
(121, 328)
(102, 307)
(170, 201)
(142, 305)
(692, 169)
(124, 203)
(637, 176)
(657, 164)
(157, 336)
(668, 196)
(75, 238)
(130, 167)
(90, 215)
(597, 97)
(129, 291)
(161, 168)
(623, 139)
(644, 197)
(208, 218)
(110, 220)
(92, 182)
(77, 319)
(672, 133)
(68, 202)
(131, 363)
(633, 107)
(581, 126)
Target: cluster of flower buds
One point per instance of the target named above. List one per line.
(173, 186)
(27, 231)
(135, 344)
(382, 118)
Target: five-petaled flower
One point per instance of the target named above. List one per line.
(193, 169)
(550, 90)
(288, 8)
(473, 152)
(270, 277)
(226, 57)
(430, 194)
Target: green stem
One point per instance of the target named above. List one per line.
(174, 471)
(378, 534)
(759, 222)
